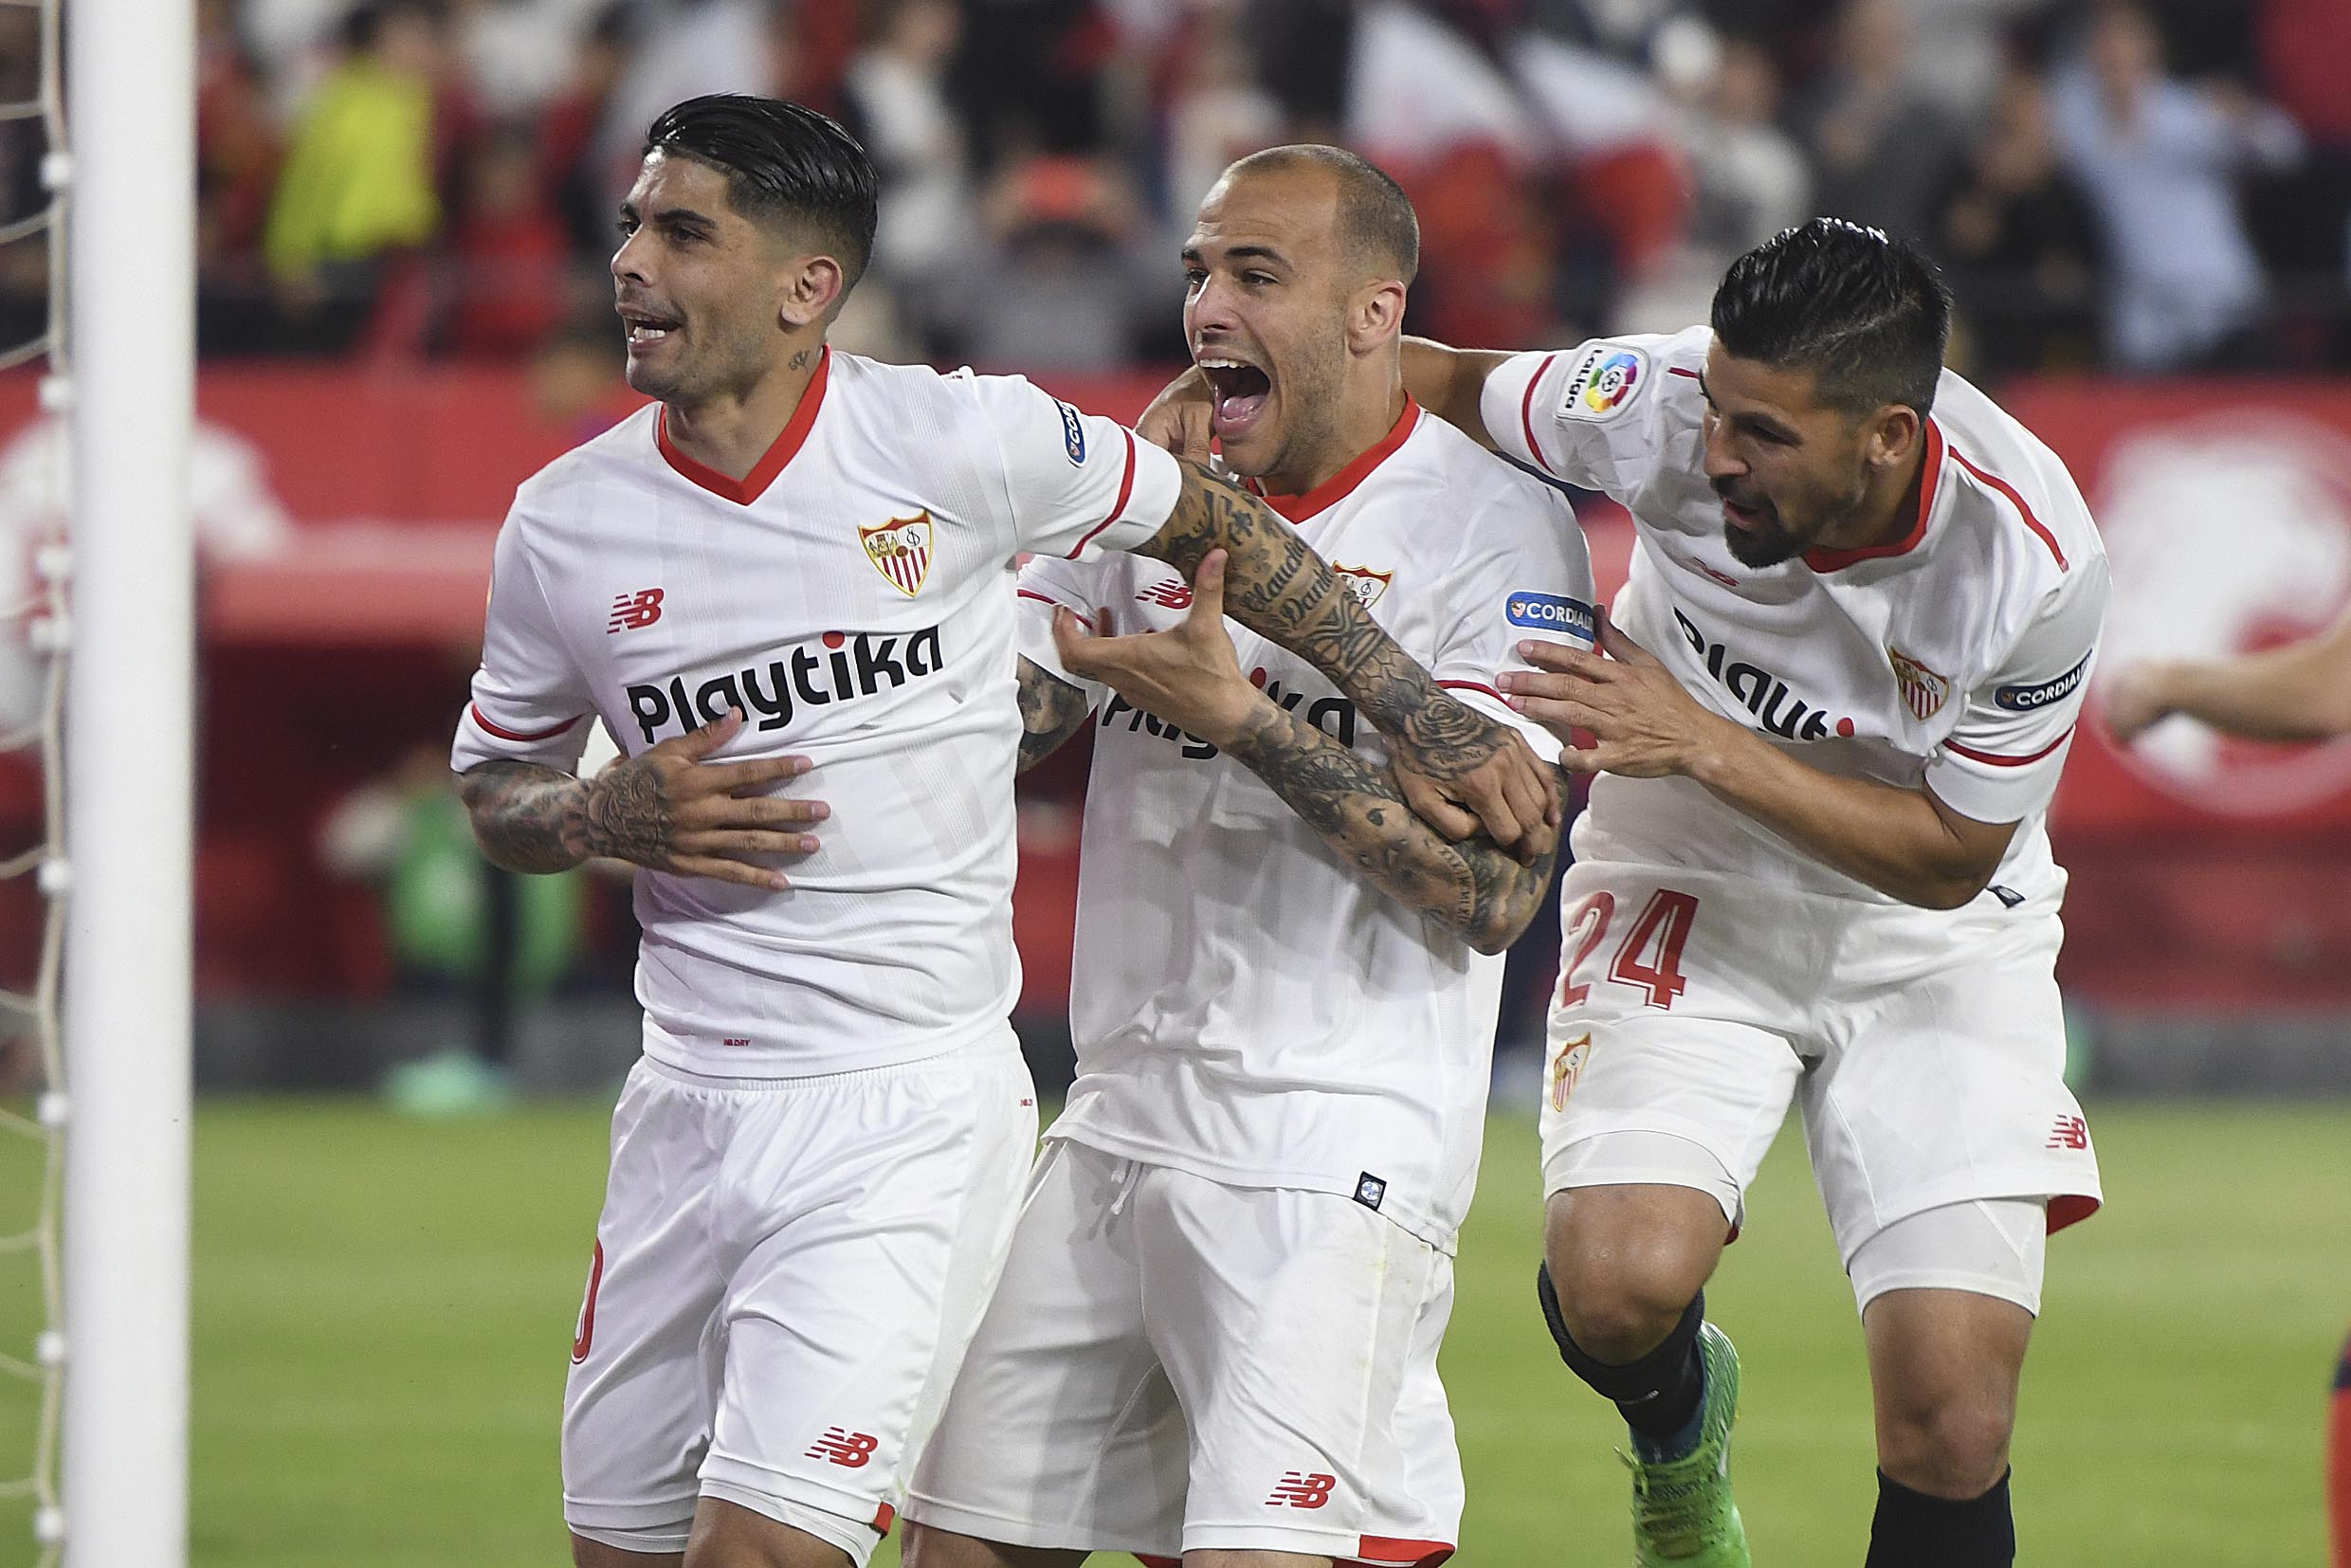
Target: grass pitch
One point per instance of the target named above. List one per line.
(383, 1311)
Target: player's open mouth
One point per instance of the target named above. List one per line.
(1745, 518)
(644, 329)
(1242, 390)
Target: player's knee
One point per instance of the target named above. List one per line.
(1622, 1287)
(726, 1535)
(924, 1547)
(1953, 1446)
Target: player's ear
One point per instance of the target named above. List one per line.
(1375, 315)
(1894, 434)
(809, 291)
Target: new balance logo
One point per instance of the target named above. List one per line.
(1174, 594)
(851, 1449)
(2071, 1132)
(635, 611)
(1299, 1489)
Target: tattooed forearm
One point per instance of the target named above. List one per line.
(526, 816)
(1279, 588)
(1474, 889)
(533, 818)
(1052, 710)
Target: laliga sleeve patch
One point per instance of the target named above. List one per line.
(2033, 699)
(1603, 382)
(1072, 433)
(1553, 612)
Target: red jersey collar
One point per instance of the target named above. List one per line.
(1342, 484)
(1930, 474)
(744, 491)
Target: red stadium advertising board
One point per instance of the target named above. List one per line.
(2226, 510)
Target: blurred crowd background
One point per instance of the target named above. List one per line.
(406, 209)
(2146, 187)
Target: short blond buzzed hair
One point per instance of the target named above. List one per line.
(1375, 217)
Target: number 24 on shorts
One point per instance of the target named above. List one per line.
(1650, 955)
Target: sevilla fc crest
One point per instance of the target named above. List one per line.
(1366, 584)
(1923, 692)
(900, 551)
(1567, 1066)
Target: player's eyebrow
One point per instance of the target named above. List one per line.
(1765, 424)
(669, 217)
(1239, 253)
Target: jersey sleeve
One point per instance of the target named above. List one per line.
(1590, 415)
(1524, 575)
(529, 701)
(1076, 484)
(2001, 760)
(1043, 584)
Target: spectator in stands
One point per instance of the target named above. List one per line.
(896, 101)
(237, 159)
(2304, 224)
(1877, 142)
(357, 184)
(1748, 178)
(2019, 243)
(1056, 287)
(567, 125)
(510, 281)
(516, 53)
(681, 48)
(2159, 159)
(1216, 113)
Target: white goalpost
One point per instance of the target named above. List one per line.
(130, 77)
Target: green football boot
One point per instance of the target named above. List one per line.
(1682, 1512)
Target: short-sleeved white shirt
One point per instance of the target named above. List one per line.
(1955, 657)
(1246, 1005)
(853, 595)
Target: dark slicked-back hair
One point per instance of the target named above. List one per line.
(785, 166)
(1375, 217)
(1867, 314)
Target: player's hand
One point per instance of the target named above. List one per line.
(1187, 675)
(1644, 724)
(1469, 774)
(2134, 699)
(671, 810)
(1181, 418)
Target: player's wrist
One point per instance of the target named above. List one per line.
(1711, 756)
(1240, 709)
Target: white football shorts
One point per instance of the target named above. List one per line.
(1172, 1364)
(1925, 1048)
(786, 1274)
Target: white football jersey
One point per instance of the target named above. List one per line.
(1955, 657)
(853, 595)
(1246, 1005)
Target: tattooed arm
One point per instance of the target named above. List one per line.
(1189, 677)
(666, 809)
(1472, 887)
(1458, 768)
(1052, 710)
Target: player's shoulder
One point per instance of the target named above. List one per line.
(1604, 378)
(623, 454)
(2007, 486)
(1475, 479)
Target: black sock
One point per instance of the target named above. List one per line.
(1659, 1393)
(1913, 1530)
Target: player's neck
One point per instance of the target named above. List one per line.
(1888, 511)
(733, 430)
(1365, 417)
